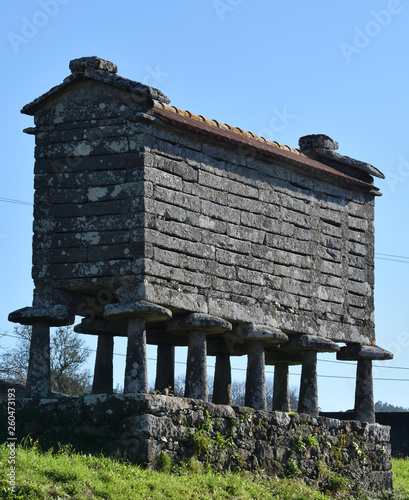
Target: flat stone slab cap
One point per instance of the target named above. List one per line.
(57, 315)
(83, 63)
(138, 309)
(300, 343)
(350, 162)
(355, 352)
(98, 326)
(212, 325)
(278, 357)
(260, 333)
(314, 141)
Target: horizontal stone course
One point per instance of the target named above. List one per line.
(88, 239)
(84, 132)
(89, 209)
(89, 164)
(95, 223)
(80, 179)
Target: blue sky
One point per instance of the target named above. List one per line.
(278, 69)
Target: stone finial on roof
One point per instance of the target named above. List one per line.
(322, 148)
(83, 63)
(99, 70)
(315, 141)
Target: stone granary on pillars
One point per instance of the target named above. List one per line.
(172, 229)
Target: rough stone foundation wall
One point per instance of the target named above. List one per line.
(397, 421)
(142, 427)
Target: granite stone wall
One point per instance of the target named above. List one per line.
(142, 427)
(129, 207)
(238, 235)
(89, 190)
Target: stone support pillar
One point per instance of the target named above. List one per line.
(136, 371)
(364, 398)
(137, 314)
(281, 390)
(198, 326)
(41, 318)
(106, 331)
(281, 361)
(222, 393)
(257, 337)
(104, 370)
(196, 369)
(256, 378)
(38, 383)
(308, 400)
(308, 346)
(165, 368)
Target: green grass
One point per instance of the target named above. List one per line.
(400, 467)
(67, 474)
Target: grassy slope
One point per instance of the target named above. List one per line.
(67, 474)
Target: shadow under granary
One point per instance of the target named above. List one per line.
(172, 229)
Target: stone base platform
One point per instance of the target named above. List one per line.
(142, 426)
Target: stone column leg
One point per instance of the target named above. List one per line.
(256, 378)
(137, 314)
(39, 374)
(165, 368)
(364, 399)
(308, 402)
(281, 391)
(222, 394)
(136, 375)
(196, 371)
(104, 370)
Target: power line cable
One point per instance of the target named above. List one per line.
(392, 260)
(353, 363)
(391, 255)
(18, 202)
(243, 369)
(378, 255)
(267, 372)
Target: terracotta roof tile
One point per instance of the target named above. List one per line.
(272, 148)
(225, 126)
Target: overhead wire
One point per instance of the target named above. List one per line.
(378, 255)
(18, 202)
(267, 371)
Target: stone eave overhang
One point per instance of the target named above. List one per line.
(298, 161)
